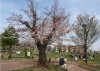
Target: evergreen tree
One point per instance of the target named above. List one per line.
(8, 38)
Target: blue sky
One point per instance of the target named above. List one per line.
(74, 7)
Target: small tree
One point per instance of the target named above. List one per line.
(53, 25)
(9, 38)
(86, 32)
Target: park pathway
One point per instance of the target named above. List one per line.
(73, 67)
(8, 66)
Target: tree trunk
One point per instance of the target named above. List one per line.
(85, 51)
(10, 52)
(42, 57)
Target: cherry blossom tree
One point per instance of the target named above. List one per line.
(52, 25)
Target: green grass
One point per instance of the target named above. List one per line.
(57, 55)
(24, 69)
(96, 67)
(35, 56)
(97, 59)
(51, 68)
(94, 63)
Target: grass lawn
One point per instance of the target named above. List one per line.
(97, 59)
(94, 63)
(96, 67)
(57, 55)
(51, 68)
(35, 56)
(18, 57)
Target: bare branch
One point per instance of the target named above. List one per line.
(92, 30)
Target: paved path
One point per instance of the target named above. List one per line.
(8, 66)
(75, 68)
